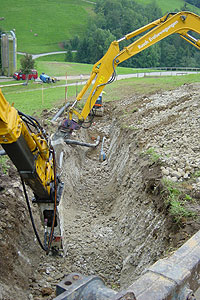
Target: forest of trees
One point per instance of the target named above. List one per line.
(116, 18)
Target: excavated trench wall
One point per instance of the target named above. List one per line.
(113, 222)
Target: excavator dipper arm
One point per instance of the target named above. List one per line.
(27, 145)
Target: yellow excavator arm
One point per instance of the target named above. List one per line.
(27, 145)
(28, 150)
(103, 71)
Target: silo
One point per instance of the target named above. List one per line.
(4, 54)
(8, 53)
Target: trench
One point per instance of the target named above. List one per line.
(115, 220)
(113, 223)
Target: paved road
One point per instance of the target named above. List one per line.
(34, 56)
(137, 75)
(83, 78)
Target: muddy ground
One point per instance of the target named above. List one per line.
(118, 216)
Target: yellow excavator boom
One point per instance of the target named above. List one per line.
(103, 72)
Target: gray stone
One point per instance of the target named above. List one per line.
(176, 174)
(174, 179)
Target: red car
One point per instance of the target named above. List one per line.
(20, 76)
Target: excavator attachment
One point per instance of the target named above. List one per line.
(64, 132)
(47, 210)
(98, 111)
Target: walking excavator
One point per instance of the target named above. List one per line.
(29, 146)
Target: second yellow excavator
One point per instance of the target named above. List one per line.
(186, 24)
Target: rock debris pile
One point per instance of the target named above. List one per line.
(172, 121)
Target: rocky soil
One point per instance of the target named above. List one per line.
(117, 215)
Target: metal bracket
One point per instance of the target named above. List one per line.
(76, 286)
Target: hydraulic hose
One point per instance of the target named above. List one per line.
(55, 202)
(31, 215)
(31, 121)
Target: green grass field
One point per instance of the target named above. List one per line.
(31, 99)
(60, 68)
(34, 101)
(53, 68)
(52, 21)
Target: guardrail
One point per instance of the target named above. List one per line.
(174, 68)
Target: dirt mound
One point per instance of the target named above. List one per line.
(18, 249)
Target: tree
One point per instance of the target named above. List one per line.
(169, 55)
(83, 51)
(69, 56)
(154, 12)
(27, 64)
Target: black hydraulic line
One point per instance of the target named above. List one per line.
(168, 15)
(36, 121)
(88, 122)
(31, 215)
(28, 118)
(32, 121)
(41, 129)
(44, 247)
(74, 142)
(55, 202)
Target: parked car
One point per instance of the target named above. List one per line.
(21, 76)
(47, 79)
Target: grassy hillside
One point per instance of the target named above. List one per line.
(171, 5)
(42, 26)
(52, 21)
